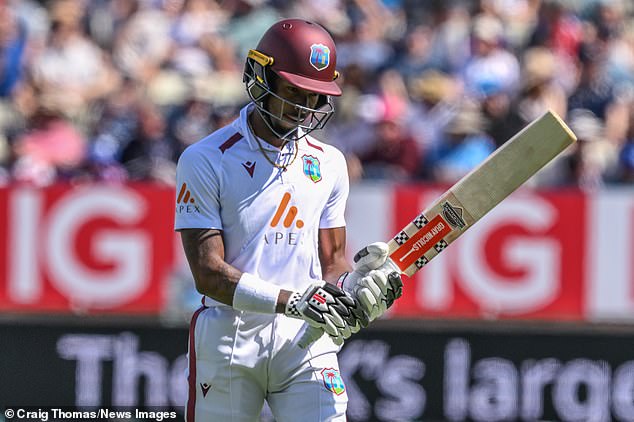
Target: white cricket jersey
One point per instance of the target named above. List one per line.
(269, 217)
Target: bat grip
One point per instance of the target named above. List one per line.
(308, 335)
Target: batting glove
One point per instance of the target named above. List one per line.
(327, 307)
(375, 282)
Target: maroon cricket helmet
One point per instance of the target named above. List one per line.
(303, 53)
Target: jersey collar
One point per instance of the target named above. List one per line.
(241, 125)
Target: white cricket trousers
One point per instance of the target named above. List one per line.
(239, 359)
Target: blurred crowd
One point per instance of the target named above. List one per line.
(114, 90)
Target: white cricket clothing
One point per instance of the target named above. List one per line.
(239, 359)
(270, 219)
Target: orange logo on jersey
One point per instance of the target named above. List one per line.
(184, 196)
(185, 202)
(290, 216)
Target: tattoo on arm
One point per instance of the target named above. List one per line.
(214, 277)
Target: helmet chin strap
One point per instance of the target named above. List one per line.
(267, 118)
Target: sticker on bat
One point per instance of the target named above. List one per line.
(453, 215)
(422, 241)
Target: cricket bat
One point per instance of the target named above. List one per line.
(473, 196)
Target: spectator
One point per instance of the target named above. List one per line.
(623, 172)
(366, 47)
(625, 169)
(597, 93)
(144, 43)
(51, 146)
(558, 29)
(620, 60)
(394, 155)
(503, 119)
(13, 38)
(417, 57)
(72, 70)
(434, 95)
(195, 28)
(518, 15)
(464, 146)
(249, 18)
(191, 122)
(592, 154)
(561, 31)
(450, 48)
(117, 125)
(507, 114)
(150, 155)
(490, 63)
(107, 19)
(540, 91)
(585, 164)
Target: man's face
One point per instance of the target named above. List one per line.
(291, 116)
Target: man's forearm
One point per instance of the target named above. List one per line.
(332, 273)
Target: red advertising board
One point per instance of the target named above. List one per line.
(92, 248)
(548, 255)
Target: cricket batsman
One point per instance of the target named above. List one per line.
(260, 209)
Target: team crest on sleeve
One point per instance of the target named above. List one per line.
(319, 56)
(333, 381)
(311, 168)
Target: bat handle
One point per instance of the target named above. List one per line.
(308, 335)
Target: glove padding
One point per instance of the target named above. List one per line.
(329, 308)
(375, 282)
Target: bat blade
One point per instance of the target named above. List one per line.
(479, 191)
